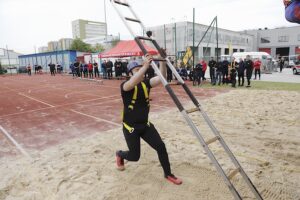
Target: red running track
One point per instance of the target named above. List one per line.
(41, 111)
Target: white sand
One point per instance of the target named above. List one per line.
(261, 127)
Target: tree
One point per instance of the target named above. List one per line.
(98, 48)
(79, 45)
(115, 42)
(2, 71)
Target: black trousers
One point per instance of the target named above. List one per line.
(96, 72)
(91, 73)
(249, 74)
(225, 77)
(197, 78)
(257, 71)
(29, 72)
(52, 73)
(233, 79)
(150, 135)
(109, 73)
(241, 76)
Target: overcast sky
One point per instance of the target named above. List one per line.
(28, 23)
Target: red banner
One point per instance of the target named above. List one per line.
(267, 50)
(297, 50)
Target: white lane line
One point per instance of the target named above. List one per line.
(15, 142)
(36, 100)
(104, 120)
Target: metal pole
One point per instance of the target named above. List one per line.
(35, 55)
(8, 59)
(105, 20)
(217, 35)
(175, 46)
(193, 38)
(165, 36)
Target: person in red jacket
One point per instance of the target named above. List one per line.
(90, 69)
(257, 64)
(204, 67)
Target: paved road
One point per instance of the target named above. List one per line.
(285, 76)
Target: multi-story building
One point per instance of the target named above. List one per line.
(54, 46)
(176, 37)
(283, 41)
(42, 49)
(65, 43)
(85, 29)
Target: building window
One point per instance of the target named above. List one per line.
(283, 38)
(265, 40)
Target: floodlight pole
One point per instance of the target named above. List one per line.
(193, 50)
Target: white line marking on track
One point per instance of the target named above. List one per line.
(36, 100)
(15, 142)
(104, 120)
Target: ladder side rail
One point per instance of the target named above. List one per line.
(136, 17)
(210, 154)
(123, 19)
(169, 64)
(191, 95)
(231, 155)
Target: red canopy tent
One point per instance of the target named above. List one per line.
(126, 48)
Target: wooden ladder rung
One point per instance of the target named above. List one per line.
(212, 140)
(233, 173)
(192, 110)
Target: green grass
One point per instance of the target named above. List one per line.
(260, 85)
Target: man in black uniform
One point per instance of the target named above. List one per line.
(249, 69)
(197, 74)
(212, 66)
(109, 66)
(219, 72)
(135, 95)
(241, 72)
(225, 64)
(76, 68)
(96, 70)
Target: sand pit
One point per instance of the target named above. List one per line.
(261, 127)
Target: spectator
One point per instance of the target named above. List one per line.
(90, 70)
(212, 67)
(225, 65)
(96, 70)
(29, 70)
(249, 69)
(241, 72)
(204, 67)
(76, 68)
(233, 72)
(183, 73)
(52, 69)
(72, 68)
(124, 67)
(257, 65)
(109, 66)
(118, 69)
(219, 72)
(103, 66)
(281, 63)
(197, 74)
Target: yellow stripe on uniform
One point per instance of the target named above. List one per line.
(129, 128)
(145, 90)
(135, 93)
